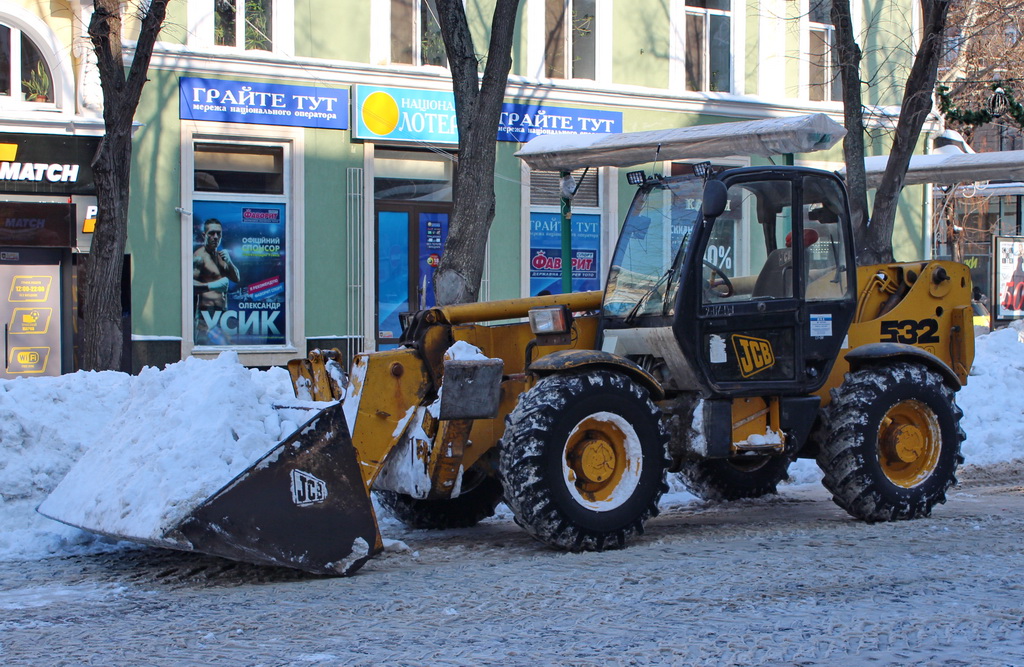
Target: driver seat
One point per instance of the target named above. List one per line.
(776, 276)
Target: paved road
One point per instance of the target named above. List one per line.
(792, 581)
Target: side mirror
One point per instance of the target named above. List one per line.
(716, 197)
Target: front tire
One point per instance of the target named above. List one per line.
(892, 442)
(583, 460)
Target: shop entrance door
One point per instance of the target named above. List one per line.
(409, 240)
(30, 312)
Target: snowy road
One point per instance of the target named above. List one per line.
(781, 582)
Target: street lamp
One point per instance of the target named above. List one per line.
(998, 103)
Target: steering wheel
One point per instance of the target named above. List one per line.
(722, 280)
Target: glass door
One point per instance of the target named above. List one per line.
(409, 242)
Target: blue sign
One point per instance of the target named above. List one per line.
(404, 114)
(546, 253)
(522, 122)
(227, 101)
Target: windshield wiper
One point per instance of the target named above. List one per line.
(635, 311)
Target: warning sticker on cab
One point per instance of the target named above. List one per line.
(821, 325)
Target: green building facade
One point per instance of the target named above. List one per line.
(320, 138)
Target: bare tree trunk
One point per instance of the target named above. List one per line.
(477, 106)
(101, 329)
(849, 58)
(876, 245)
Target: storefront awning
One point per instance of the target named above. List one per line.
(950, 168)
(775, 136)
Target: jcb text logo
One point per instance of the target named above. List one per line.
(307, 489)
(753, 354)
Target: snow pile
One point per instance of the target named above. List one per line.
(46, 424)
(179, 436)
(991, 399)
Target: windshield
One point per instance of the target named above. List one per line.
(659, 223)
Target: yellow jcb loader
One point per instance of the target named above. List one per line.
(735, 333)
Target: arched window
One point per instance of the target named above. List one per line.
(24, 74)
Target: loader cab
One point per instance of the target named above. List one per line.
(741, 285)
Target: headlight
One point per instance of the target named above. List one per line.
(549, 320)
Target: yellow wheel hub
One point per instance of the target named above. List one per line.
(909, 443)
(597, 460)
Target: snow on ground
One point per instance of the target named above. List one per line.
(202, 422)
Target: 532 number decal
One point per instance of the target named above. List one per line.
(911, 332)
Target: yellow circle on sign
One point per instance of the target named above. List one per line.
(380, 113)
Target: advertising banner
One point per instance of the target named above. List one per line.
(47, 165)
(239, 273)
(37, 224)
(227, 101)
(546, 253)
(1009, 278)
(405, 114)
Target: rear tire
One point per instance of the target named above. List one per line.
(734, 479)
(892, 442)
(469, 508)
(583, 460)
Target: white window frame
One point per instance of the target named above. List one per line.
(380, 35)
(678, 12)
(856, 13)
(606, 210)
(54, 54)
(537, 36)
(291, 140)
(202, 17)
(832, 69)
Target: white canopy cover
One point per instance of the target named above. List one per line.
(944, 168)
(774, 136)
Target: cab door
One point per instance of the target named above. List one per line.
(770, 305)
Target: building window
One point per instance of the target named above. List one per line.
(244, 24)
(241, 248)
(823, 80)
(416, 33)
(24, 75)
(570, 44)
(545, 239)
(708, 45)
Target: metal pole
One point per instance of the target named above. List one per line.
(567, 190)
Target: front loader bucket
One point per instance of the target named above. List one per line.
(302, 505)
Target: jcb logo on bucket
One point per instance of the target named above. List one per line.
(307, 489)
(753, 354)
